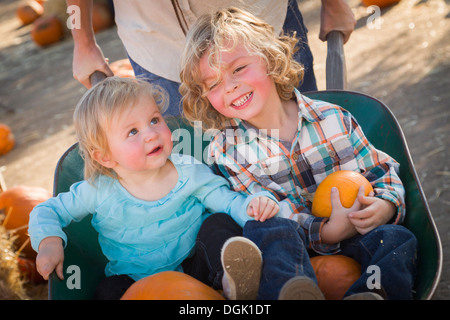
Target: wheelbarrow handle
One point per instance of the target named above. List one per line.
(336, 72)
(97, 77)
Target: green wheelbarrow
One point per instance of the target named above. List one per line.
(84, 261)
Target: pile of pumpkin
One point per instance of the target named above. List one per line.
(380, 3)
(335, 274)
(18, 274)
(7, 140)
(49, 19)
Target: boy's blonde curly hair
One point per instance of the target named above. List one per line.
(95, 110)
(213, 33)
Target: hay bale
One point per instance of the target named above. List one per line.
(11, 282)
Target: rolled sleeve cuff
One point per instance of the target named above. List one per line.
(37, 239)
(314, 225)
(399, 215)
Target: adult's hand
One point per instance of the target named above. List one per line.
(336, 15)
(87, 60)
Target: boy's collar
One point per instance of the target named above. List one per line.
(240, 132)
(307, 108)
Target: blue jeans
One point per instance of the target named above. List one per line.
(293, 22)
(284, 252)
(171, 87)
(391, 248)
(283, 244)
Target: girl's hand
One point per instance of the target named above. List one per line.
(262, 208)
(375, 212)
(50, 257)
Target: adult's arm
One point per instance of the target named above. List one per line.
(87, 55)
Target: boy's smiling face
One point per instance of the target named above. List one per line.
(241, 87)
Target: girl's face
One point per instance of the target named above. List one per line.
(138, 138)
(242, 89)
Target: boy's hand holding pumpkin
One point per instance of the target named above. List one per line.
(339, 226)
(374, 212)
(262, 208)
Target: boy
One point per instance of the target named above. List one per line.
(239, 77)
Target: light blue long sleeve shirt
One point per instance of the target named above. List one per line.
(138, 237)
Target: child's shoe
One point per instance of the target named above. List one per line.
(364, 296)
(300, 288)
(242, 263)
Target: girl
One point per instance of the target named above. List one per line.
(239, 77)
(147, 204)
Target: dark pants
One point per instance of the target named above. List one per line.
(388, 249)
(204, 265)
(284, 251)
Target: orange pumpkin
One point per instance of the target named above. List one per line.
(47, 30)
(29, 12)
(27, 269)
(17, 203)
(170, 285)
(7, 140)
(122, 68)
(380, 3)
(335, 274)
(102, 17)
(347, 182)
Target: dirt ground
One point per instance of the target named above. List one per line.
(405, 62)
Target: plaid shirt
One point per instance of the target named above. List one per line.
(328, 139)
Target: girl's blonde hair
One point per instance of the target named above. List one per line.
(95, 110)
(215, 32)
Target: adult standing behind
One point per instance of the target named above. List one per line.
(153, 33)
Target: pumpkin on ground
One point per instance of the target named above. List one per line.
(27, 268)
(17, 203)
(335, 274)
(102, 17)
(29, 12)
(347, 182)
(379, 3)
(47, 30)
(170, 285)
(7, 140)
(122, 68)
